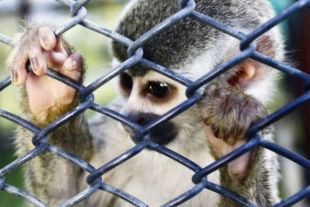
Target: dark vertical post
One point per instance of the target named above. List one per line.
(299, 26)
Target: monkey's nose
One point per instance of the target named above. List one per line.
(160, 134)
(141, 118)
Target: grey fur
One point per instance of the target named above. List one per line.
(189, 37)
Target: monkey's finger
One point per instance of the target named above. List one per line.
(18, 67)
(237, 169)
(231, 140)
(37, 61)
(47, 38)
(74, 62)
(55, 59)
(59, 47)
(73, 66)
(18, 75)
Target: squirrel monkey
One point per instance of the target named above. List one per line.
(213, 127)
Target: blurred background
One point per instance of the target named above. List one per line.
(292, 132)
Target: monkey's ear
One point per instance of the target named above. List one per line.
(250, 73)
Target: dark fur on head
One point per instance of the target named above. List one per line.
(187, 38)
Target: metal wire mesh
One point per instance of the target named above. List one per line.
(40, 139)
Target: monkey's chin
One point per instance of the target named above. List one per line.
(162, 134)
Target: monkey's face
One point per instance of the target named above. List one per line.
(148, 96)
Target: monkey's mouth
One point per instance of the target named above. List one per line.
(162, 134)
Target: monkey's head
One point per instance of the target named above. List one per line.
(148, 96)
(192, 49)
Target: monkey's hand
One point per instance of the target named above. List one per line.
(43, 100)
(228, 112)
(39, 46)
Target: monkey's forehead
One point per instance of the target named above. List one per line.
(189, 37)
(138, 71)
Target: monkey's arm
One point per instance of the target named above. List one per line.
(44, 99)
(228, 112)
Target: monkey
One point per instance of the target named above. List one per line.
(207, 131)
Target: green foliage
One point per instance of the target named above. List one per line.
(14, 178)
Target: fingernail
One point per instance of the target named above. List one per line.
(46, 40)
(34, 63)
(74, 62)
(231, 141)
(14, 76)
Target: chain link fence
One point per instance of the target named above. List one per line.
(40, 139)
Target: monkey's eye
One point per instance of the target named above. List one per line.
(159, 89)
(126, 81)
